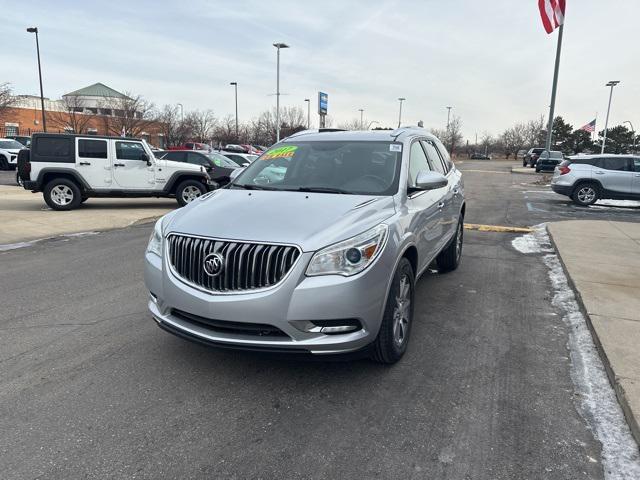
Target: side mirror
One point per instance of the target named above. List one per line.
(235, 173)
(427, 180)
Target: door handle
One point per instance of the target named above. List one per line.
(599, 173)
(441, 205)
(637, 175)
(118, 165)
(84, 163)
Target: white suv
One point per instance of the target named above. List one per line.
(69, 169)
(9, 153)
(589, 178)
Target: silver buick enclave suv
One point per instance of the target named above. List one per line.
(314, 248)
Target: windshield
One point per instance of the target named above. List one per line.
(359, 168)
(221, 160)
(10, 144)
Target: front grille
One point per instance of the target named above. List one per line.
(244, 266)
(235, 328)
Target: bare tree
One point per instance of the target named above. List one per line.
(6, 96)
(534, 132)
(225, 130)
(354, 124)
(513, 139)
(452, 136)
(201, 124)
(72, 118)
(174, 130)
(131, 115)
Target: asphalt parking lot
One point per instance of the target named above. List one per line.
(7, 177)
(92, 388)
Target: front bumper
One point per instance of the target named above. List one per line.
(289, 307)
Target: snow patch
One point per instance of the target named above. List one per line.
(619, 203)
(598, 404)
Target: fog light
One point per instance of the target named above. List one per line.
(332, 327)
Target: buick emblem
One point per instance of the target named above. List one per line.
(213, 264)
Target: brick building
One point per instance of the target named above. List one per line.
(95, 110)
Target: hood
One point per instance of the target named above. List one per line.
(310, 220)
(13, 151)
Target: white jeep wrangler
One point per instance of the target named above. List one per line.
(69, 169)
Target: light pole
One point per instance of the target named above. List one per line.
(448, 116)
(181, 112)
(361, 110)
(308, 113)
(633, 132)
(44, 119)
(235, 84)
(401, 99)
(278, 47)
(611, 84)
(371, 123)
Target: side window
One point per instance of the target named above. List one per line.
(417, 161)
(618, 164)
(636, 164)
(92, 148)
(53, 147)
(175, 156)
(129, 151)
(196, 159)
(444, 155)
(434, 157)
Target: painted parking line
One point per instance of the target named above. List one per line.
(496, 228)
(463, 170)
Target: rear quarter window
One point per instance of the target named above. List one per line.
(53, 149)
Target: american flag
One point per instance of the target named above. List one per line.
(552, 13)
(590, 127)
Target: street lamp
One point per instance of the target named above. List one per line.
(448, 116)
(308, 113)
(633, 132)
(371, 123)
(44, 119)
(181, 112)
(361, 110)
(611, 84)
(401, 99)
(278, 47)
(235, 84)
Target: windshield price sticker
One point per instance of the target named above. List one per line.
(395, 147)
(280, 152)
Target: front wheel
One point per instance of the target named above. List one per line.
(188, 191)
(393, 337)
(4, 164)
(586, 194)
(449, 258)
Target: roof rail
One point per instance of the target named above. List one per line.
(400, 130)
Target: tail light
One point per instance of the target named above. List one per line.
(564, 170)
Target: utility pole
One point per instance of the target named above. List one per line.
(278, 47)
(235, 84)
(181, 112)
(611, 84)
(448, 116)
(44, 118)
(361, 110)
(401, 99)
(308, 112)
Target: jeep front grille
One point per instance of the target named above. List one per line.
(243, 265)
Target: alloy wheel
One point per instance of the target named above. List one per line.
(61, 195)
(190, 193)
(402, 312)
(586, 194)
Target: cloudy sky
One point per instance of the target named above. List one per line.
(490, 60)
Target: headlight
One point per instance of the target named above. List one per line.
(349, 256)
(155, 241)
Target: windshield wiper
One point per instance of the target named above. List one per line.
(322, 190)
(253, 187)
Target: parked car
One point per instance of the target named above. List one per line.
(241, 159)
(9, 149)
(531, 157)
(23, 139)
(325, 260)
(231, 147)
(217, 166)
(480, 156)
(191, 146)
(548, 161)
(260, 148)
(69, 169)
(521, 154)
(589, 178)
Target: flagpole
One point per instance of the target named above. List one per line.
(552, 107)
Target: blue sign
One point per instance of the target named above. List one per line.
(323, 103)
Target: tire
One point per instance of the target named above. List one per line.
(537, 170)
(4, 164)
(586, 194)
(188, 191)
(449, 258)
(62, 194)
(84, 199)
(393, 337)
(524, 163)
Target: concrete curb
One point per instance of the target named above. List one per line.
(632, 421)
